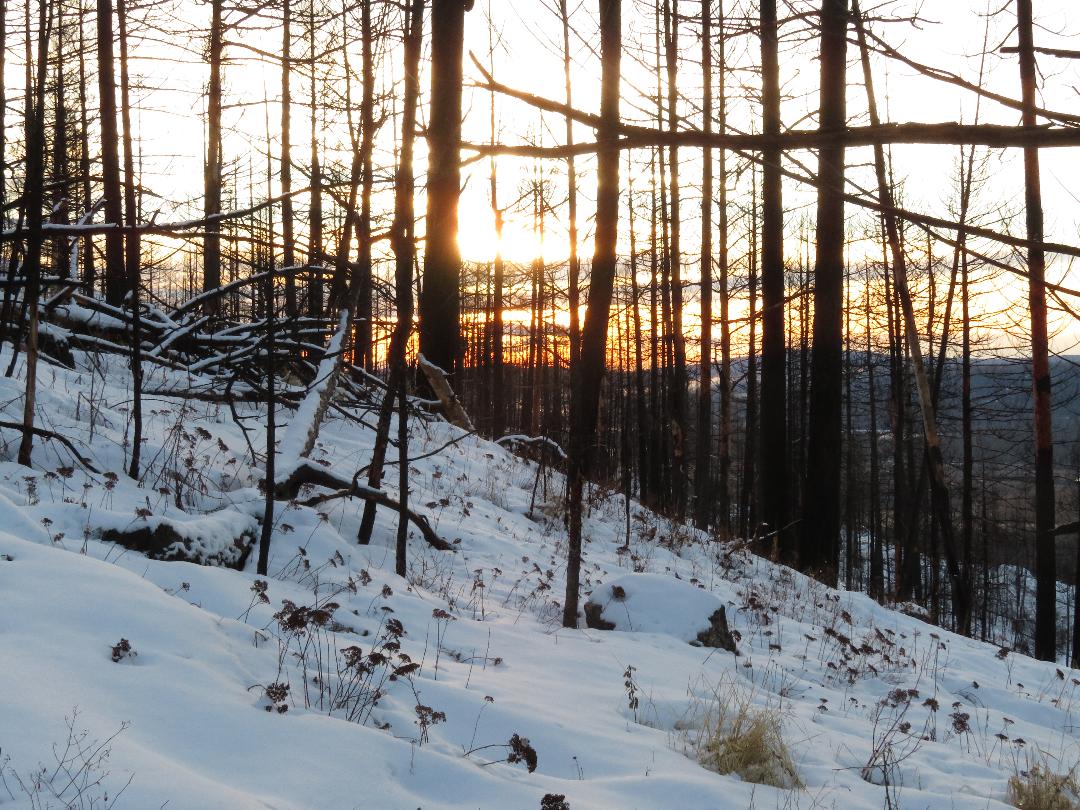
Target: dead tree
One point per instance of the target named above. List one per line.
(1045, 541)
(212, 177)
(820, 533)
(703, 505)
(34, 200)
(116, 284)
(774, 450)
(440, 296)
(589, 372)
(132, 246)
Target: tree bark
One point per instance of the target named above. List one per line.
(774, 449)
(212, 178)
(116, 284)
(585, 394)
(133, 247)
(34, 201)
(288, 217)
(703, 505)
(440, 297)
(1045, 544)
(403, 242)
(821, 504)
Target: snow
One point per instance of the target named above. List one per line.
(844, 673)
(656, 603)
(301, 430)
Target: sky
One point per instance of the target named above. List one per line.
(521, 43)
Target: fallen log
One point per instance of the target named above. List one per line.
(307, 472)
(452, 408)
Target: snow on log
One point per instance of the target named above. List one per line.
(515, 441)
(655, 603)
(452, 409)
(303, 430)
(222, 539)
(308, 473)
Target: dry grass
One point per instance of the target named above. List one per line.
(736, 737)
(1040, 788)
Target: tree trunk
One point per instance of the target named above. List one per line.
(440, 297)
(116, 284)
(1045, 544)
(133, 248)
(723, 461)
(363, 294)
(212, 169)
(774, 450)
(574, 270)
(589, 372)
(678, 377)
(703, 505)
(821, 501)
(315, 214)
(288, 218)
(748, 517)
(403, 242)
(34, 201)
(271, 429)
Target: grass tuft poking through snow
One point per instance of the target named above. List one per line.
(1040, 788)
(733, 736)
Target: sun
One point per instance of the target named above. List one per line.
(520, 243)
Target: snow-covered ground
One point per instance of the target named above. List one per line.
(406, 693)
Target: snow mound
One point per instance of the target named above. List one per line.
(223, 538)
(654, 603)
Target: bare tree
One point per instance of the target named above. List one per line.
(589, 371)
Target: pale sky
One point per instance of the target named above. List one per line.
(528, 57)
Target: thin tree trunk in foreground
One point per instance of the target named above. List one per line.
(939, 488)
(585, 393)
(35, 198)
(1045, 542)
(821, 501)
(404, 246)
(774, 456)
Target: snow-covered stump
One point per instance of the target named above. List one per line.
(652, 603)
(222, 539)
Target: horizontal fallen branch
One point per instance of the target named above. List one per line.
(312, 474)
(64, 440)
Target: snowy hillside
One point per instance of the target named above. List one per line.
(141, 683)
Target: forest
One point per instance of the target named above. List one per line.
(559, 403)
(678, 251)
(825, 379)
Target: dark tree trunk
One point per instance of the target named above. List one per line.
(678, 341)
(133, 248)
(574, 294)
(723, 460)
(403, 243)
(116, 283)
(362, 293)
(315, 215)
(774, 455)
(589, 372)
(34, 202)
(87, 253)
(748, 517)
(271, 426)
(288, 217)
(821, 503)
(1045, 544)
(212, 177)
(703, 505)
(440, 297)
